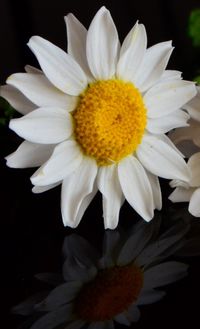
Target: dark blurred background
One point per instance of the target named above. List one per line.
(31, 225)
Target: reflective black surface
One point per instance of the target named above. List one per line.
(32, 233)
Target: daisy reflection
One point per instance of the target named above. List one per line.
(98, 290)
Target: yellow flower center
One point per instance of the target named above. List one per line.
(110, 293)
(110, 120)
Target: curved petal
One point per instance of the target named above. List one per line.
(133, 313)
(102, 45)
(171, 74)
(108, 184)
(72, 271)
(64, 160)
(62, 294)
(75, 189)
(32, 69)
(110, 249)
(193, 106)
(149, 296)
(76, 42)
(53, 319)
(59, 67)
(161, 159)
(194, 205)
(83, 206)
(44, 125)
(38, 89)
(41, 189)
(135, 244)
(136, 187)
(155, 186)
(194, 166)
(181, 194)
(29, 155)
(153, 65)
(132, 52)
(168, 122)
(16, 99)
(122, 319)
(168, 96)
(78, 248)
(163, 274)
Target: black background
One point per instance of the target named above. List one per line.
(31, 225)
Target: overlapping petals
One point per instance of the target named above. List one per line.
(47, 98)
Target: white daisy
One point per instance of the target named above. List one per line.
(190, 191)
(101, 115)
(99, 291)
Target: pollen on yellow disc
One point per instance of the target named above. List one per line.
(110, 293)
(110, 120)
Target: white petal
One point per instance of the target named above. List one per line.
(111, 242)
(122, 319)
(76, 42)
(181, 194)
(161, 159)
(62, 294)
(135, 243)
(29, 155)
(59, 67)
(179, 183)
(108, 184)
(16, 99)
(153, 65)
(155, 186)
(44, 125)
(32, 69)
(75, 188)
(193, 107)
(171, 74)
(72, 271)
(132, 52)
(51, 320)
(194, 166)
(133, 313)
(194, 205)
(41, 189)
(168, 96)
(38, 89)
(149, 296)
(163, 274)
(64, 160)
(136, 187)
(78, 248)
(102, 45)
(168, 122)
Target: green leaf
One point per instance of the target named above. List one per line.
(197, 79)
(194, 27)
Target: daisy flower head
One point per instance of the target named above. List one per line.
(95, 118)
(100, 289)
